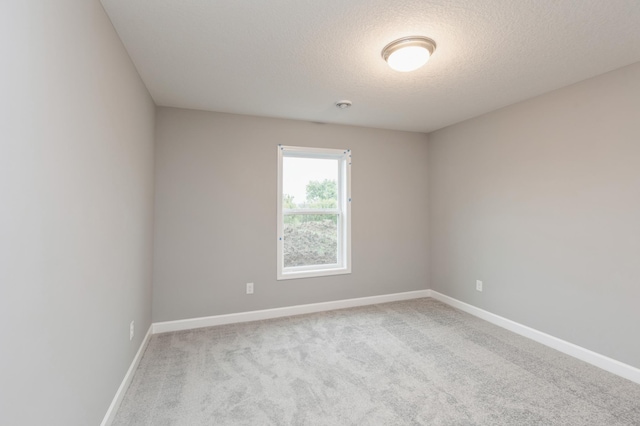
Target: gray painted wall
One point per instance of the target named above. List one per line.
(541, 201)
(76, 200)
(215, 223)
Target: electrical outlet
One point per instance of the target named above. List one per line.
(131, 329)
(478, 285)
(249, 288)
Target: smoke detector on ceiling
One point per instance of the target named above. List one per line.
(343, 104)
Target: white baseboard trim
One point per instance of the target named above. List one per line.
(117, 399)
(609, 364)
(188, 324)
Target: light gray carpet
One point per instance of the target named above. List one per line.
(418, 362)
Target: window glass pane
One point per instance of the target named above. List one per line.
(310, 239)
(309, 183)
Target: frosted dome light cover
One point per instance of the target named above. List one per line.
(409, 53)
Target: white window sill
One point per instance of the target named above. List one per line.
(313, 273)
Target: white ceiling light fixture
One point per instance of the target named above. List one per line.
(344, 104)
(408, 53)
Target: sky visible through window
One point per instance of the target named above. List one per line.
(298, 172)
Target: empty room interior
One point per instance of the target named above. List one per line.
(362, 212)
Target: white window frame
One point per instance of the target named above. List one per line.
(343, 210)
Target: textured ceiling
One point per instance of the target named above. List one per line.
(296, 58)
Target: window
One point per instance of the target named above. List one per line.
(314, 212)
